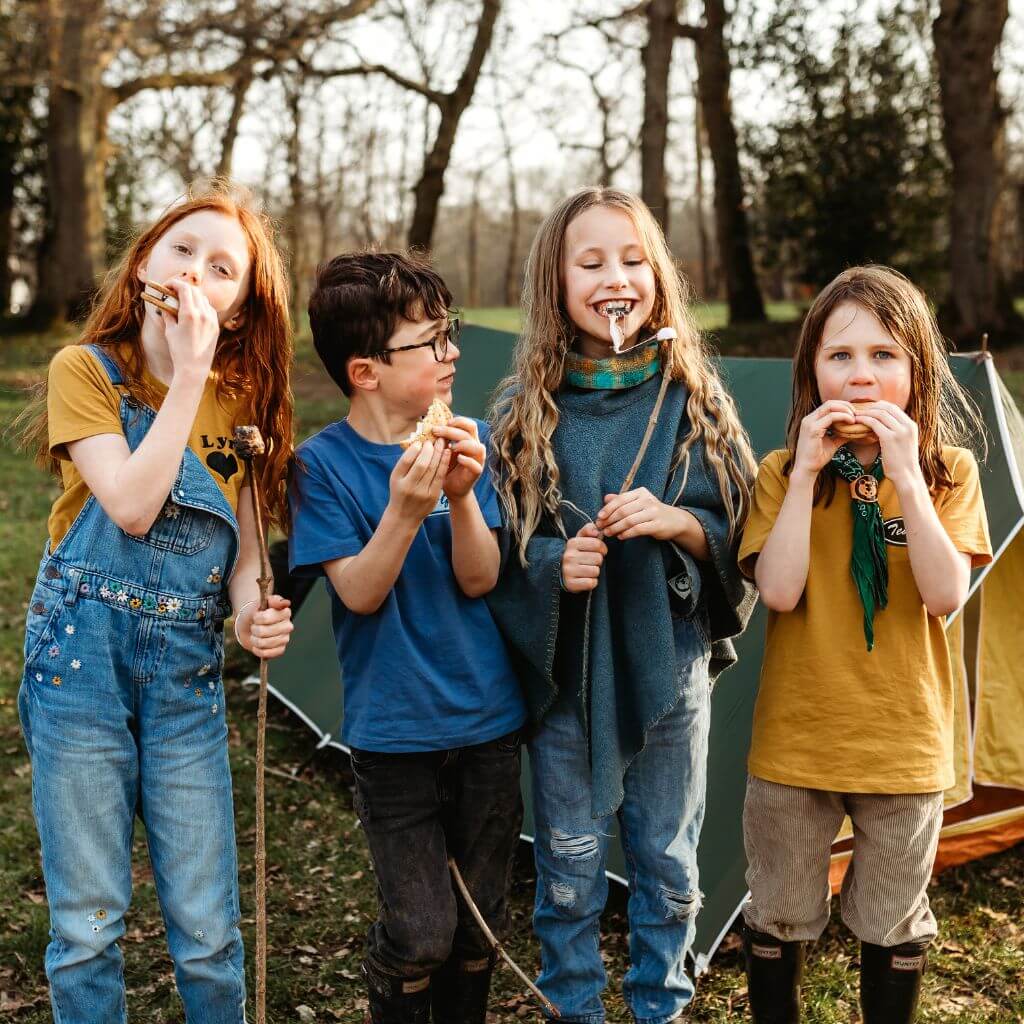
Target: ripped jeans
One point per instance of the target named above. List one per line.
(659, 825)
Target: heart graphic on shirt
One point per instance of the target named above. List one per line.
(226, 465)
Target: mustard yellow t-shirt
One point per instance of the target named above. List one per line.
(82, 402)
(830, 714)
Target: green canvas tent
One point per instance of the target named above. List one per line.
(991, 701)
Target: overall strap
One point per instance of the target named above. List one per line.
(108, 364)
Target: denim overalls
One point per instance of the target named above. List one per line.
(122, 708)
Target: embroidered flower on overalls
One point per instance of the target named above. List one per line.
(84, 588)
(198, 692)
(39, 677)
(174, 605)
(213, 710)
(69, 629)
(149, 603)
(203, 670)
(214, 576)
(201, 614)
(105, 591)
(76, 664)
(135, 602)
(54, 650)
(122, 596)
(161, 607)
(171, 511)
(57, 680)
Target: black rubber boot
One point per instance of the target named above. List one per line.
(774, 971)
(459, 991)
(395, 1000)
(890, 981)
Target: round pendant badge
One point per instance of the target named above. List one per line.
(864, 488)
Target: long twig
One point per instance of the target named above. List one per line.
(649, 432)
(495, 944)
(248, 444)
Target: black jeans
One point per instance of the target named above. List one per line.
(419, 809)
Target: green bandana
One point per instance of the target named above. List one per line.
(624, 370)
(869, 562)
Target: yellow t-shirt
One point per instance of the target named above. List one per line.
(830, 714)
(82, 402)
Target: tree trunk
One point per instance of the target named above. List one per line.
(661, 17)
(966, 36)
(227, 145)
(430, 187)
(702, 231)
(473, 246)
(76, 159)
(296, 199)
(713, 71)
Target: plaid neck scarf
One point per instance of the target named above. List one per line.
(869, 562)
(626, 370)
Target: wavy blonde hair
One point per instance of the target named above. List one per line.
(251, 362)
(943, 411)
(526, 415)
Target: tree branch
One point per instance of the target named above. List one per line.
(435, 96)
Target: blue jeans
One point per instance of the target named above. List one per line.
(122, 708)
(659, 824)
(121, 734)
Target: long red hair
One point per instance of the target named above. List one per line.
(251, 362)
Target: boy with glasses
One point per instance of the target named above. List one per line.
(433, 712)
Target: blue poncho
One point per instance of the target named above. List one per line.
(614, 648)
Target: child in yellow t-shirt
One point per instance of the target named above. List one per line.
(862, 537)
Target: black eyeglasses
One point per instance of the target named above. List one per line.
(439, 342)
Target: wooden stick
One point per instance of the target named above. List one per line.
(495, 944)
(248, 444)
(648, 433)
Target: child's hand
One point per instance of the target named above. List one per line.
(897, 438)
(417, 479)
(266, 633)
(468, 455)
(192, 336)
(814, 449)
(582, 560)
(638, 513)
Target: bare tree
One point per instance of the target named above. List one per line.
(451, 105)
(713, 74)
(967, 36)
(86, 41)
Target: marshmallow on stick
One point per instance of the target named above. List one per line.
(161, 297)
(438, 415)
(614, 312)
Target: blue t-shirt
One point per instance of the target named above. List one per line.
(428, 670)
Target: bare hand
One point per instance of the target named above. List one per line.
(192, 335)
(417, 479)
(266, 633)
(582, 560)
(814, 448)
(638, 513)
(898, 439)
(467, 455)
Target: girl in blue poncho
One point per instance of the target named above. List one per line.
(617, 606)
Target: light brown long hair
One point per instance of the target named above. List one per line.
(942, 410)
(528, 477)
(252, 361)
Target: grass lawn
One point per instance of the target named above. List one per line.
(321, 892)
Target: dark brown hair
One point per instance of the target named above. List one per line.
(358, 300)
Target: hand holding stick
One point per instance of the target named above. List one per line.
(249, 444)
